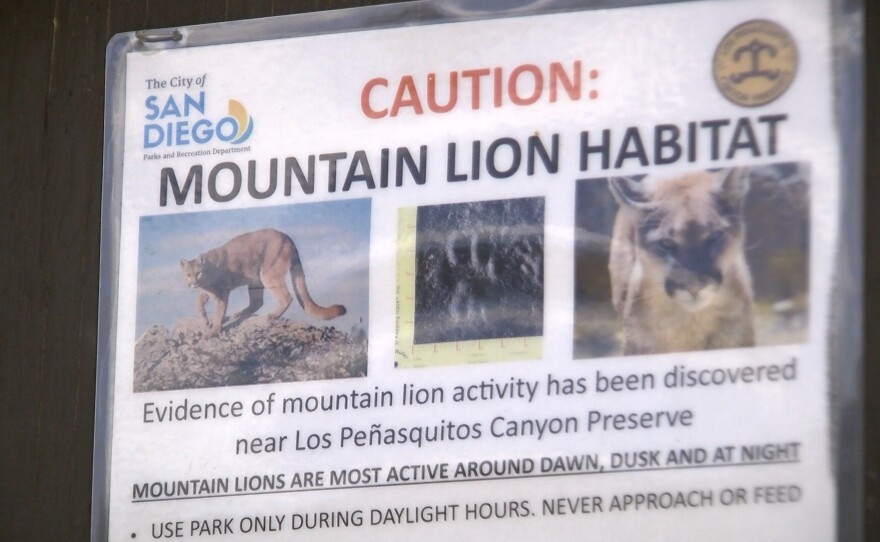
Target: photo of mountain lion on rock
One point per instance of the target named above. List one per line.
(238, 256)
(260, 260)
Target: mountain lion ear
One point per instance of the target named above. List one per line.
(201, 260)
(629, 192)
(182, 262)
(734, 184)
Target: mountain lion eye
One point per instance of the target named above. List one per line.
(668, 246)
(715, 238)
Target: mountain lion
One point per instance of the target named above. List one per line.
(679, 277)
(259, 260)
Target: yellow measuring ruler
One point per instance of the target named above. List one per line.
(406, 352)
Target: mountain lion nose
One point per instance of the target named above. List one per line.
(694, 288)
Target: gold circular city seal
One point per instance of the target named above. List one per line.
(755, 63)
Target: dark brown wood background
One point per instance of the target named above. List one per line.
(51, 93)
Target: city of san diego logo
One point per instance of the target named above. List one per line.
(179, 120)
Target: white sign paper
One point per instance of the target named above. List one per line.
(563, 276)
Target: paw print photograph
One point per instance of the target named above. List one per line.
(475, 281)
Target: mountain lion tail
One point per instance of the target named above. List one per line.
(298, 277)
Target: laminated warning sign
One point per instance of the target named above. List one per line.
(436, 271)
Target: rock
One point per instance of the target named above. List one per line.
(259, 350)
